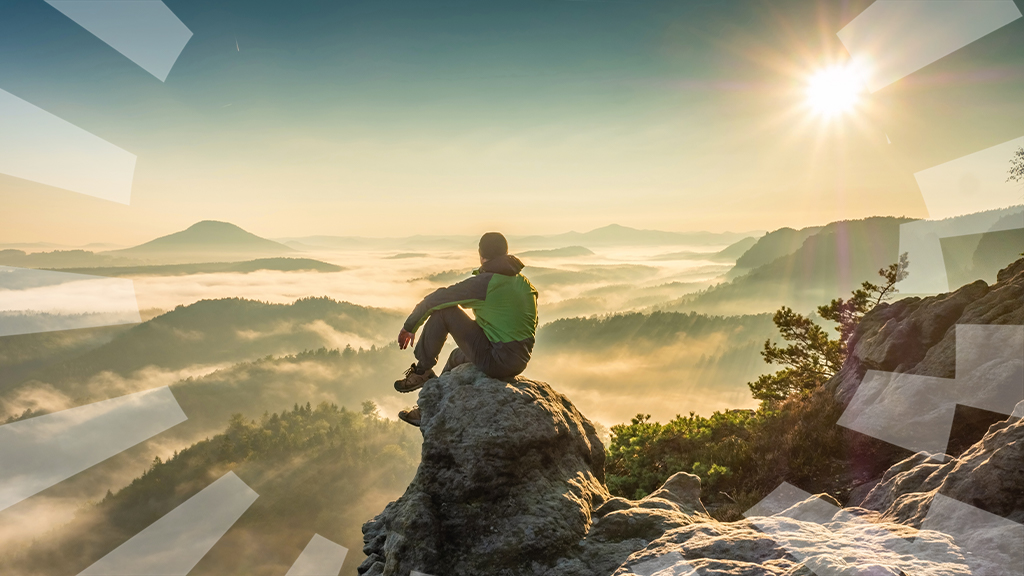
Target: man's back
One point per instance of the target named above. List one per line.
(508, 311)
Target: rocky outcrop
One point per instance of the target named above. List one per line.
(511, 483)
(918, 336)
(782, 546)
(989, 476)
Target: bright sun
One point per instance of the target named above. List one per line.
(835, 90)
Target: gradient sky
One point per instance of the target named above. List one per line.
(398, 117)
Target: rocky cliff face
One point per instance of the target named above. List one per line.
(511, 482)
(918, 335)
(926, 338)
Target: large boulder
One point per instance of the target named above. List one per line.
(511, 483)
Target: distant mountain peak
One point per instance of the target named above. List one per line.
(209, 237)
(214, 225)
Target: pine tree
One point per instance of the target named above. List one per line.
(812, 357)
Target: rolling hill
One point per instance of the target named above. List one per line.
(611, 235)
(834, 259)
(215, 332)
(617, 235)
(772, 245)
(206, 241)
(566, 252)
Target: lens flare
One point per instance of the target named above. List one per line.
(835, 90)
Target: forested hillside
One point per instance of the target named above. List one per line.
(317, 469)
(220, 332)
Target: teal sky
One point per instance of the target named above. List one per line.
(402, 117)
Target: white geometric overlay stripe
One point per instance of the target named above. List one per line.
(39, 452)
(144, 31)
(174, 544)
(921, 240)
(38, 146)
(994, 545)
(321, 557)
(671, 564)
(894, 38)
(916, 412)
(972, 183)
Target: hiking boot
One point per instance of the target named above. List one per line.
(413, 380)
(412, 416)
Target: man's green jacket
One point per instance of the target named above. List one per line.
(503, 301)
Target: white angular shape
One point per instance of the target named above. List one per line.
(910, 411)
(994, 545)
(38, 146)
(916, 412)
(784, 497)
(320, 557)
(973, 183)
(967, 186)
(791, 502)
(43, 300)
(990, 366)
(920, 240)
(144, 31)
(174, 544)
(894, 38)
(39, 452)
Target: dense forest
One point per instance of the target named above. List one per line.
(317, 469)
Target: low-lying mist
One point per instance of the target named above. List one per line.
(661, 364)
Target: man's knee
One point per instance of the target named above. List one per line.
(445, 315)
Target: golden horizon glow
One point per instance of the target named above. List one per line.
(836, 90)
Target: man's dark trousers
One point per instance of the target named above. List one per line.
(496, 359)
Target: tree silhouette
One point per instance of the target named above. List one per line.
(1016, 172)
(812, 357)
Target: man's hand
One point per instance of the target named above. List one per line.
(405, 338)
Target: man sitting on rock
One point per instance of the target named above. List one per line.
(499, 341)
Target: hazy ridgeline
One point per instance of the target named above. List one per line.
(582, 289)
(806, 268)
(197, 339)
